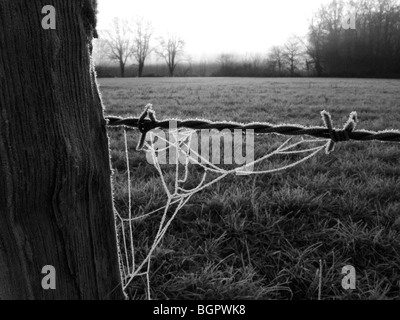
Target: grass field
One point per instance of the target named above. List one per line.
(262, 237)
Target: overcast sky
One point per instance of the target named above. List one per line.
(210, 27)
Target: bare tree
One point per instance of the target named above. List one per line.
(203, 66)
(227, 63)
(257, 61)
(171, 50)
(120, 45)
(251, 64)
(276, 57)
(143, 31)
(100, 52)
(292, 53)
(246, 64)
(187, 66)
(314, 47)
(226, 59)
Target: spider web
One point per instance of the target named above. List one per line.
(178, 195)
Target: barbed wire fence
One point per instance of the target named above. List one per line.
(147, 121)
(178, 196)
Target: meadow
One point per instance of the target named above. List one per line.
(263, 237)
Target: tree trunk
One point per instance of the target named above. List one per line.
(291, 68)
(171, 70)
(55, 191)
(140, 71)
(122, 68)
(318, 68)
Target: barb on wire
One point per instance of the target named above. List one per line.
(148, 121)
(339, 135)
(144, 127)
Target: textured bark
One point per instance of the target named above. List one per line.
(55, 191)
(141, 67)
(122, 68)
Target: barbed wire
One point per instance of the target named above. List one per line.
(178, 195)
(147, 121)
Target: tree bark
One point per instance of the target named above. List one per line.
(171, 70)
(318, 68)
(140, 71)
(122, 68)
(56, 203)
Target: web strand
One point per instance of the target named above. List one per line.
(178, 196)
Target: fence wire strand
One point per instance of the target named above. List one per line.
(179, 196)
(147, 121)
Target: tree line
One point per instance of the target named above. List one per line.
(371, 49)
(131, 39)
(345, 38)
